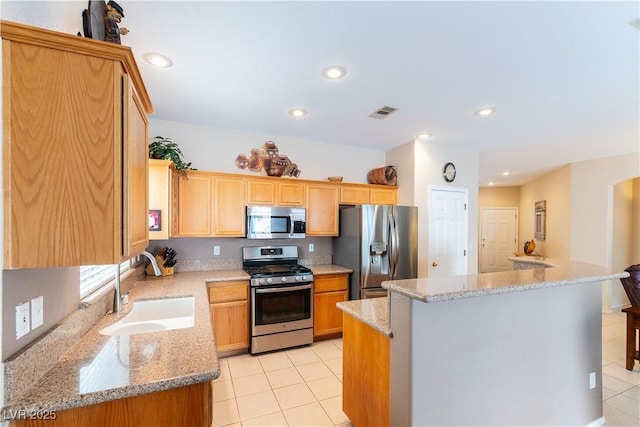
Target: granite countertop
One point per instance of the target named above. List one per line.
(468, 286)
(329, 269)
(100, 368)
(372, 311)
(535, 260)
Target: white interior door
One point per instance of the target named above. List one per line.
(498, 239)
(448, 225)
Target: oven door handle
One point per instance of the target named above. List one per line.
(282, 289)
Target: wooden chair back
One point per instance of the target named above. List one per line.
(632, 284)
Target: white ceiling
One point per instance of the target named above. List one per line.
(564, 76)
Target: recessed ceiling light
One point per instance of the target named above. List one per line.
(158, 60)
(334, 72)
(298, 112)
(423, 136)
(486, 111)
(505, 173)
(491, 183)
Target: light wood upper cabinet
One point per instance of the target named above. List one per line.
(136, 183)
(160, 195)
(322, 210)
(210, 205)
(261, 192)
(195, 204)
(384, 196)
(275, 192)
(229, 208)
(74, 150)
(360, 194)
(354, 195)
(290, 193)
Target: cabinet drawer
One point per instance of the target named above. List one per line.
(228, 291)
(331, 282)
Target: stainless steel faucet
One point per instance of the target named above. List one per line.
(156, 269)
(117, 297)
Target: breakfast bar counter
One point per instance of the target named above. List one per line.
(519, 347)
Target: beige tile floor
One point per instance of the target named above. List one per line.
(620, 388)
(303, 386)
(296, 387)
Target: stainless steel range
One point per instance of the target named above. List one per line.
(281, 298)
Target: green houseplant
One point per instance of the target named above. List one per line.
(165, 149)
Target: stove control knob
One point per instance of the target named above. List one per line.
(262, 281)
(298, 278)
(284, 279)
(269, 281)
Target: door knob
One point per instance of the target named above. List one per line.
(434, 264)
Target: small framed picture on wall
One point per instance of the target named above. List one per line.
(155, 223)
(541, 220)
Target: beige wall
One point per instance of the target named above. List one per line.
(583, 204)
(216, 149)
(635, 227)
(555, 188)
(499, 197)
(622, 247)
(592, 205)
(426, 160)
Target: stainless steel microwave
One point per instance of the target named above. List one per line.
(268, 222)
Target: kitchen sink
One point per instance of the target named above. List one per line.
(155, 315)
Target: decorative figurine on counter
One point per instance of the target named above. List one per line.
(114, 16)
(269, 158)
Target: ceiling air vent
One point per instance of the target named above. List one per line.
(382, 112)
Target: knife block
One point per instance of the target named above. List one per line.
(166, 271)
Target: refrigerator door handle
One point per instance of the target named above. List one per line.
(393, 244)
(365, 263)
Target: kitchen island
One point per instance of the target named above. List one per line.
(508, 348)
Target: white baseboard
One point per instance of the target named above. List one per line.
(598, 422)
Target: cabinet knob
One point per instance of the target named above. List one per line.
(434, 264)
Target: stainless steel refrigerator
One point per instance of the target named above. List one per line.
(379, 242)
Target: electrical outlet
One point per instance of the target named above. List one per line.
(216, 250)
(311, 247)
(22, 319)
(37, 312)
(592, 380)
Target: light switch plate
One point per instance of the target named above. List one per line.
(22, 319)
(311, 247)
(37, 312)
(216, 250)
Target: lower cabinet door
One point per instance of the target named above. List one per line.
(327, 318)
(230, 325)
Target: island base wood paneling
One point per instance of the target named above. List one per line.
(183, 406)
(365, 386)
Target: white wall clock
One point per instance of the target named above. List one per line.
(449, 172)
